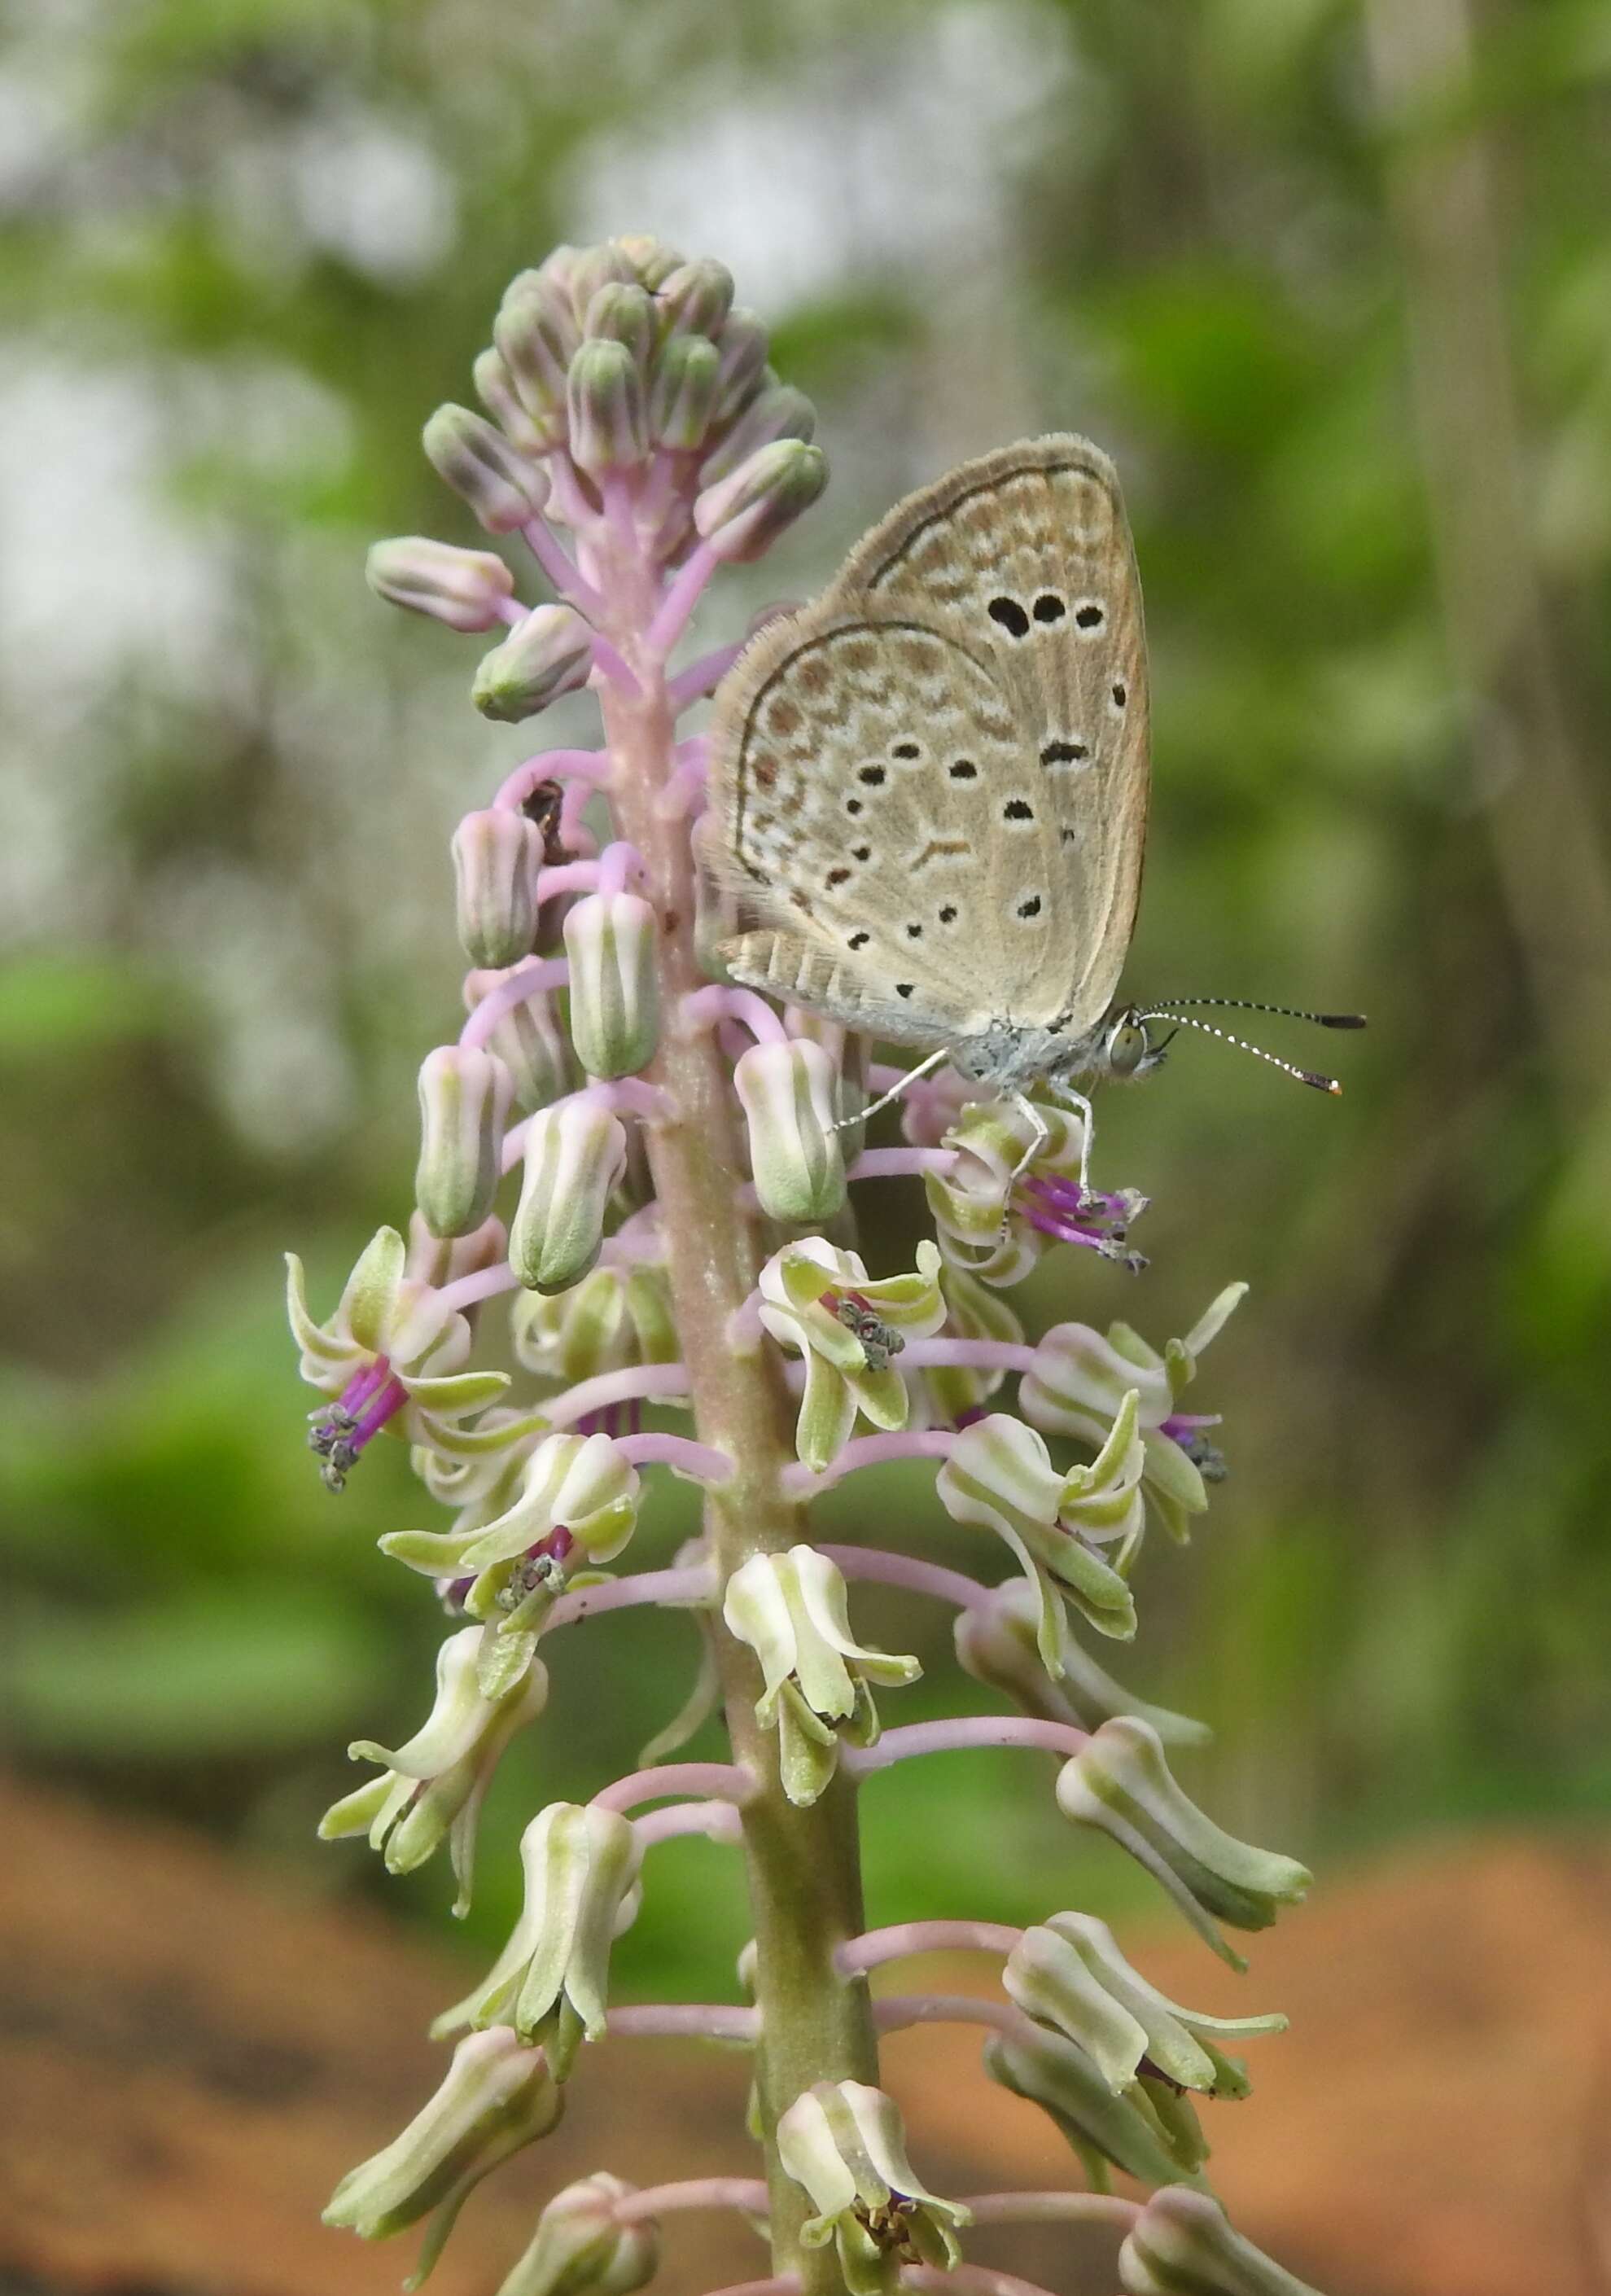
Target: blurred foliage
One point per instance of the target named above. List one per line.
(1333, 281)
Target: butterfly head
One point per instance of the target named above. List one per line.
(1125, 1049)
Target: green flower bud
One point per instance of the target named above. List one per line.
(742, 345)
(502, 487)
(551, 1981)
(1056, 2074)
(463, 589)
(1181, 2244)
(780, 411)
(1120, 1781)
(787, 1090)
(497, 2096)
(496, 390)
(650, 259)
(536, 335)
(695, 299)
(742, 516)
(575, 1154)
(615, 995)
(997, 1643)
(792, 1609)
(609, 420)
(529, 1040)
(464, 1096)
(580, 2250)
(496, 857)
(612, 1319)
(431, 1789)
(625, 315)
(682, 392)
(1069, 1973)
(548, 654)
(591, 268)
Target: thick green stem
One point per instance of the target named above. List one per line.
(803, 1866)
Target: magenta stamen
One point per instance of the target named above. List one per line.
(359, 1390)
(386, 1406)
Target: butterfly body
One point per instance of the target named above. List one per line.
(929, 788)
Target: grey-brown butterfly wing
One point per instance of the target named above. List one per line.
(1023, 560)
(875, 809)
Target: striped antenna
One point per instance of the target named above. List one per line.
(1247, 1005)
(1207, 1028)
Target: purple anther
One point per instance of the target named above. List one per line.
(1185, 1427)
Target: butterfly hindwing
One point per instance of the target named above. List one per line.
(1023, 558)
(876, 799)
(931, 786)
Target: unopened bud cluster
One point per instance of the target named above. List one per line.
(634, 441)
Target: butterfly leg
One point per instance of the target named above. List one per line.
(1069, 1098)
(885, 1100)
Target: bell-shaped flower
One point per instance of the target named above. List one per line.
(431, 1789)
(498, 2095)
(1184, 2240)
(997, 1643)
(1080, 1379)
(577, 1483)
(575, 1154)
(1120, 1781)
(845, 2145)
(1067, 1973)
(792, 1610)
(551, 1981)
(390, 1355)
(1000, 1474)
(581, 2248)
(1004, 1198)
(613, 1318)
(615, 998)
(787, 1091)
(1128, 2130)
(819, 1302)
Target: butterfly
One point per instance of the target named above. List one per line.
(929, 788)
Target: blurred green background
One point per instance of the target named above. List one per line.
(1333, 283)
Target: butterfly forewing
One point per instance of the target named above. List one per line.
(933, 783)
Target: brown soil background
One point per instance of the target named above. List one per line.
(190, 2056)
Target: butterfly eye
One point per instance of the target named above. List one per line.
(1128, 1048)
